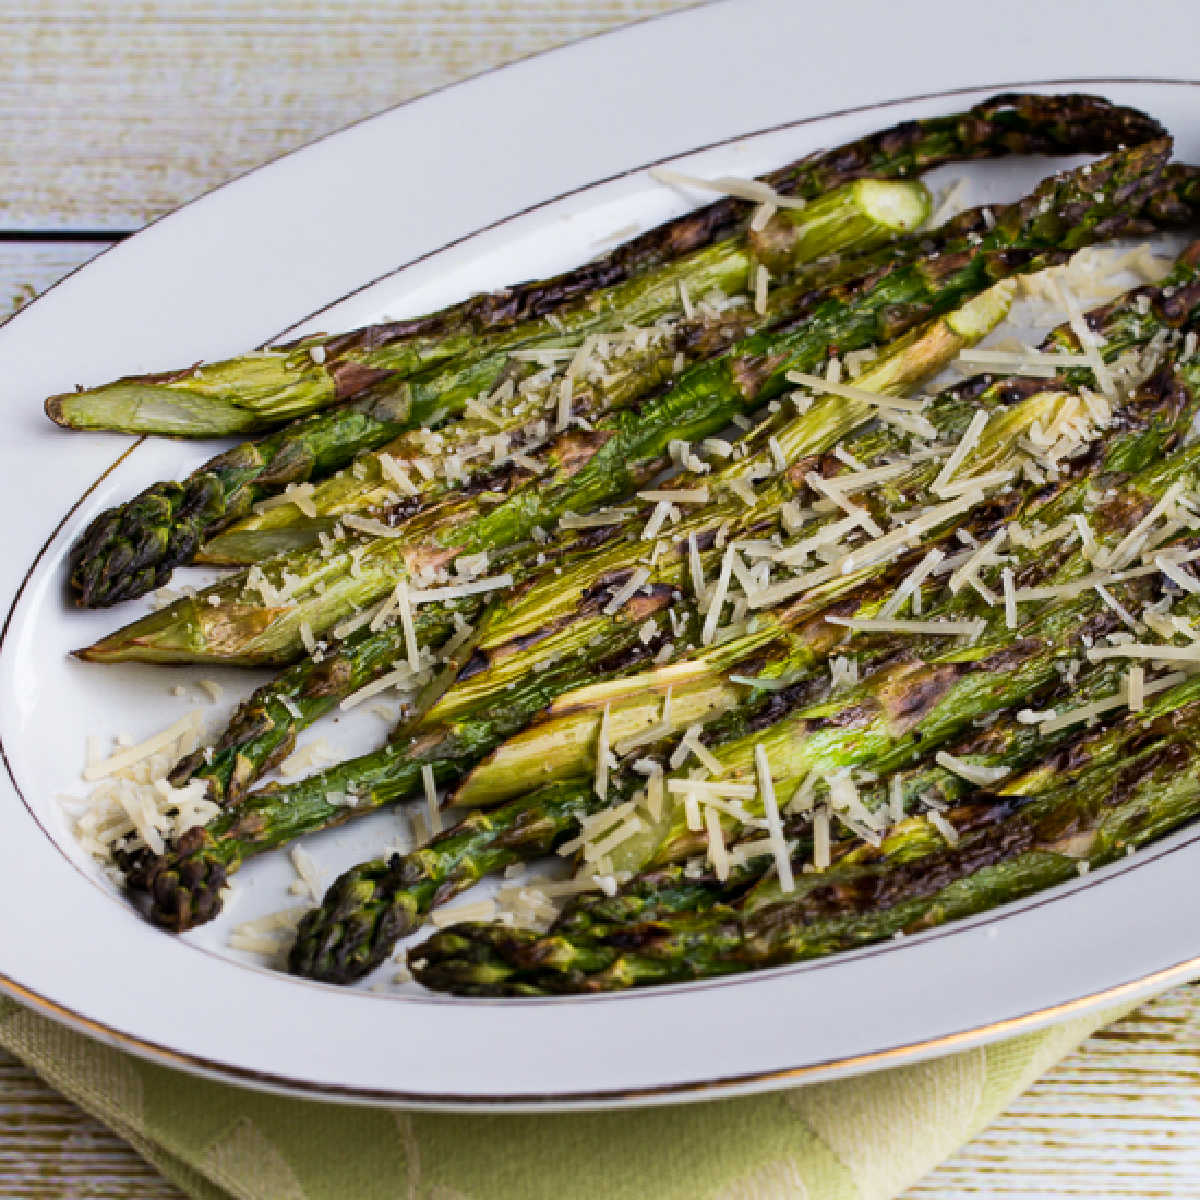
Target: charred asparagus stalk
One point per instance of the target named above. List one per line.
(258, 390)
(1151, 424)
(373, 904)
(1000, 749)
(265, 727)
(378, 901)
(134, 547)
(1128, 784)
(367, 487)
(1148, 425)
(371, 907)
(627, 448)
(184, 885)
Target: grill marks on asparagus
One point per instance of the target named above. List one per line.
(1006, 744)
(340, 942)
(905, 693)
(181, 888)
(1028, 646)
(1139, 783)
(291, 378)
(270, 719)
(257, 838)
(1027, 236)
(134, 547)
(129, 550)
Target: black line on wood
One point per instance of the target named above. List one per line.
(103, 236)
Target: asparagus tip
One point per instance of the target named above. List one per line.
(182, 887)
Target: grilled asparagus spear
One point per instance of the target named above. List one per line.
(626, 448)
(1156, 417)
(130, 549)
(373, 904)
(183, 886)
(1114, 790)
(1148, 424)
(266, 388)
(370, 907)
(367, 487)
(265, 726)
(467, 723)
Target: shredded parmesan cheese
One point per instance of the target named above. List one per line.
(958, 456)
(971, 772)
(894, 625)
(397, 678)
(712, 789)
(600, 783)
(820, 836)
(761, 279)
(1010, 599)
(479, 910)
(779, 846)
(697, 495)
(717, 602)
(717, 853)
(1135, 689)
(308, 872)
(432, 808)
(849, 392)
(124, 759)
(727, 185)
(943, 827)
(407, 625)
(625, 591)
(456, 591)
(371, 526)
(1086, 712)
(314, 754)
(1176, 574)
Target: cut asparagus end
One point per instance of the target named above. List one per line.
(558, 749)
(139, 408)
(183, 633)
(849, 220)
(238, 395)
(895, 206)
(981, 314)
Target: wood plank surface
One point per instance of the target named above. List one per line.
(28, 268)
(115, 112)
(49, 1149)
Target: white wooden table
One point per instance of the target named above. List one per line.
(114, 113)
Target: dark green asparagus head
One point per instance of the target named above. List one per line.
(133, 548)
(183, 886)
(366, 911)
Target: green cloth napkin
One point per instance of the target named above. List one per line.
(866, 1138)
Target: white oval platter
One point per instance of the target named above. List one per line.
(433, 200)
